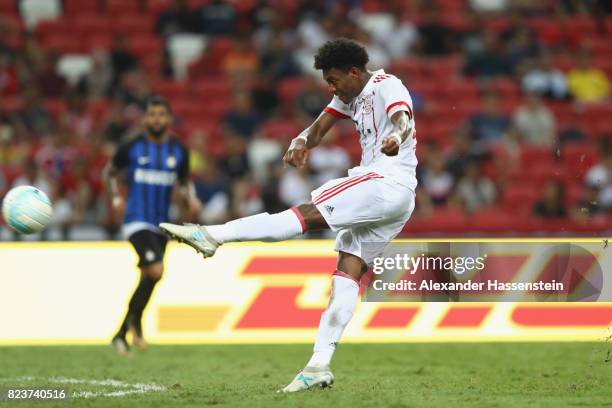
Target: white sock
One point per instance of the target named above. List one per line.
(334, 319)
(260, 227)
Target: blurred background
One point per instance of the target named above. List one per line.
(511, 97)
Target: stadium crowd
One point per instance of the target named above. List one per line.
(512, 102)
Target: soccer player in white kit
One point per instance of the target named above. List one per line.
(370, 206)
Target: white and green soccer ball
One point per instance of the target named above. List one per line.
(26, 209)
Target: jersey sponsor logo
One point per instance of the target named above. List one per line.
(155, 177)
(171, 162)
(143, 160)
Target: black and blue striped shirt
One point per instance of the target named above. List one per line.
(153, 169)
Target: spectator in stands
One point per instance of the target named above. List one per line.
(120, 119)
(475, 189)
(277, 61)
(97, 81)
(242, 119)
(400, 37)
(491, 62)
(436, 181)
(217, 18)
(600, 175)
(490, 6)
(587, 83)
(134, 88)
(552, 201)
(534, 122)
(435, 37)
(179, 18)
(246, 198)
(328, 161)
(472, 42)
(242, 61)
(311, 100)
(7, 50)
(523, 47)
(589, 205)
(78, 119)
(490, 125)
(460, 154)
(212, 189)
(543, 78)
(9, 82)
(48, 81)
(295, 186)
(33, 120)
(264, 93)
(122, 59)
(235, 161)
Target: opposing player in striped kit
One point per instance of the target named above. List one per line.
(371, 205)
(154, 163)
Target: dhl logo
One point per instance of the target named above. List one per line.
(293, 292)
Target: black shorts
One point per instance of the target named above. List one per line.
(149, 245)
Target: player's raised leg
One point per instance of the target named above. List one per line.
(344, 296)
(260, 227)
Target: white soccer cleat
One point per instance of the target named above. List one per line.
(310, 377)
(193, 235)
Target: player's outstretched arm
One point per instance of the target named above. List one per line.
(297, 154)
(401, 131)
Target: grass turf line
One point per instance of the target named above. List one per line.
(379, 375)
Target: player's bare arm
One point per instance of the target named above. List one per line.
(297, 154)
(401, 131)
(111, 182)
(188, 196)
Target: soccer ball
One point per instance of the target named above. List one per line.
(26, 209)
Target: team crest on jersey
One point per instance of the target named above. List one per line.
(368, 104)
(171, 162)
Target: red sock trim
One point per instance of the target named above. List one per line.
(300, 217)
(345, 275)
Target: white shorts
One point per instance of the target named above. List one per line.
(366, 209)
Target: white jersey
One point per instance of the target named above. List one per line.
(371, 111)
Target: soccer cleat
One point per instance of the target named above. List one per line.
(310, 377)
(120, 345)
(193, 235)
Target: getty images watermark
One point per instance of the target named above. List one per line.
(494, 271)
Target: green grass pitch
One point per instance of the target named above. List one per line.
(367, 375)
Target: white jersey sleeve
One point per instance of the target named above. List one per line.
(338, 109)
(395, 97)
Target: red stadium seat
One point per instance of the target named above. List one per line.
(219, 88)
(8, 7)
(87, 24)
(121, 7)
(145, 45)
(172, 90)
(72, 7)
(65, 44)
(155, 7)
(493, 220)
(52, 27)
(102, 41)
(520, 198)
(281, 129)
(289, 88)
(134, 24)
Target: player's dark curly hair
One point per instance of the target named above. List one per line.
(342, 54)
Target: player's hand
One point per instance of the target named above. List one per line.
(117, 205)
(390, 146)
(297, 154)
(194, 206)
